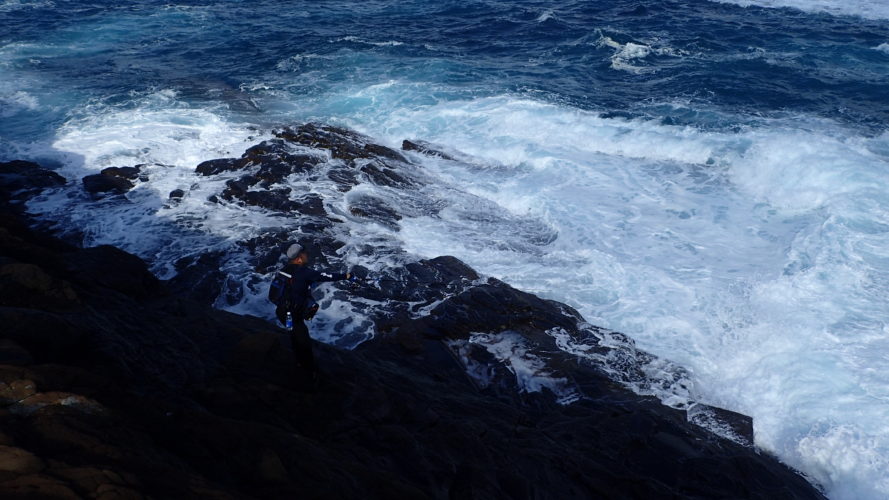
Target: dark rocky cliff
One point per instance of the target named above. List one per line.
(114, 384)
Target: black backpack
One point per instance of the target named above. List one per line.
(280, 288)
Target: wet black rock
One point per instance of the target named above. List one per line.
(213, 167)
(20, 179)
(104, 183)
(374, 209)
(117, 180)
(177, 194)
(113, 382)
(345, 178)
(425, 148)
(342, 143)
(311, 204)
(266, 167)
(129, 173)
(382, 174)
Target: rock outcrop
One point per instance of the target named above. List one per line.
(114, 383)
(116, 180)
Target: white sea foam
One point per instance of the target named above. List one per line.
(531, 372)
(17, 101)
(869, 9)
(169, 139)
(625, 54)
(755, 258)
(355, 39)
(883, 47)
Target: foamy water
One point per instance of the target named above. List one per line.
(757, 260)
(723, 203)
(864, 8)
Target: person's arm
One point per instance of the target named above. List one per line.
(318, 277)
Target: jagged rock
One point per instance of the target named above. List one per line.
(375, 209)
(425, 148)
(384, 175)
(490, 307)
(345, 178)
(19, 180)
(311, 204)
(129, 173)
(341, 143)
(24, 175)
(172, 399)
(276, 161)
(213, 167)
(100, 183)
(113, 179)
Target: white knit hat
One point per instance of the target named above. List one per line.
(294, 250)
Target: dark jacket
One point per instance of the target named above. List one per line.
(301, 280)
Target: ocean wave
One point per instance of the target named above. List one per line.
(740, 254)
(868, 9)
(299, 61)
(13, 5)
(626, 53)
(17, 101)
(546, 16)
(355, 39)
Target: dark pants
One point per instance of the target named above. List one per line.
(301, 342)
(302, 347)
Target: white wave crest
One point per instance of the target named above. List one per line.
(756, 257)
(355, 39)
(545, 16)
(868, 9)
(13, 5)
(625, 53)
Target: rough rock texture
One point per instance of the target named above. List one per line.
(425, 148)
(112, 179)
(115, 384)
(21, 179)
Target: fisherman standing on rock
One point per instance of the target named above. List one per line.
(291, 292)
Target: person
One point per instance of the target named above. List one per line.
(297, 300)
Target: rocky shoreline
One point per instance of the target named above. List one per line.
(113, 382)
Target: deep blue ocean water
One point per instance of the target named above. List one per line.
(711, 178)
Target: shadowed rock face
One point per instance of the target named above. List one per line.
(112, 382)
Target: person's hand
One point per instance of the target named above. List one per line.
(349, 276)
